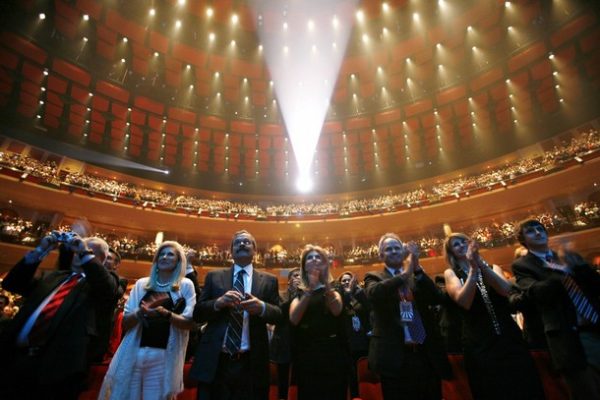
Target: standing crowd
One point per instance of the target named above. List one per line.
(315, 332)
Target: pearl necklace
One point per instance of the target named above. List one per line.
(159, 284)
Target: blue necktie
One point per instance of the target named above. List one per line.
(233, 342)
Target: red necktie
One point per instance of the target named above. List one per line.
(39, 329)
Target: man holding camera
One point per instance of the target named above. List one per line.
(47, 348)
(232, 358)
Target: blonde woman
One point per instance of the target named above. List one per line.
(157, 318)
(495, 352)
(320, 353)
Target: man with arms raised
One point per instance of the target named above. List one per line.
(406, 348)
(47, 349)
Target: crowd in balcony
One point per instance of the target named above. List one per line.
(577, 146)
(582, 215)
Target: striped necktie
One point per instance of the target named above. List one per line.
(233, 342)
(415, 327)
(580, 301)
(43, 321)
(583, 306)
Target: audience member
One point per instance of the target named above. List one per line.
(406, 348)
(564, 291)
(48, 346)
(494, 350)
(320, 356)
(157, 318)
(232, 360)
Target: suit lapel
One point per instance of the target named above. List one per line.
(256, 281)
(46, 286)
(228, 279)
(74, 297)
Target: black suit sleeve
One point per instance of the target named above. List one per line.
(20, 279)
(205, 306)
(380, 290)
(272, 312)
(533, 284)
(428, 291)
(104, 285)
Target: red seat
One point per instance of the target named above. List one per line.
(273, 381)
(458, 387)
(95, 378)
(554, 385)
(369, 387)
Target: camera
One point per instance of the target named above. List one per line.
(64, 237)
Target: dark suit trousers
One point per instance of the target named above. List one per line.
(233, 381)
(416, 381)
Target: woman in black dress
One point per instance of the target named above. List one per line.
(497, 361)
(320, 355)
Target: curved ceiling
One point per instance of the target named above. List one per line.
(423, 88)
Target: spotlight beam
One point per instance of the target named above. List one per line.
(297, 38)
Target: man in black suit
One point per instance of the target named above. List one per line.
(232, 358)
(47, 349)
(406, 348)
(562, 293)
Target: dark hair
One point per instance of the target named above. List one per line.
(339, 279)
(243, 232)
(324, 255)
(116, 253)
(526, 224)
(291, 272)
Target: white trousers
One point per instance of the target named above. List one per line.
(147, 374)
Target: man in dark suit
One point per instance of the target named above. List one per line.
(562, 293)
(406, 348)
(47, 349)
(232, 358)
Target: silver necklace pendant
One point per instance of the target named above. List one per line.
(159, 284)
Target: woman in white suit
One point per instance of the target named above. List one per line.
(157, 318)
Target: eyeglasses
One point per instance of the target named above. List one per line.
(245, 242)
(316, 257)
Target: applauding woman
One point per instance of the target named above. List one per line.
(497, 361)
(319, 354)
(157, 320)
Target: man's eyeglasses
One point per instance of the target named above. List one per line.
(316, 257)
(245, 242)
